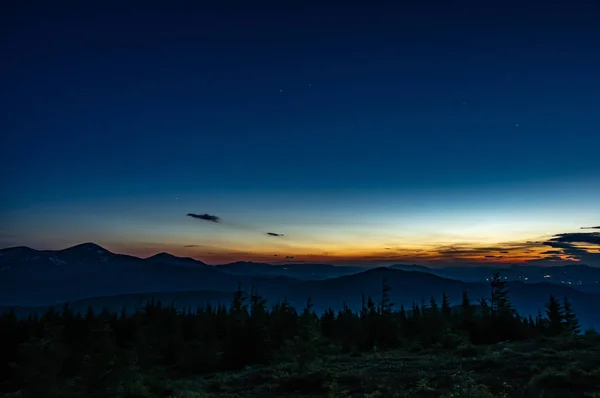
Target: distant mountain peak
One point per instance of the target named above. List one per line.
(16, 248)
(409, 267)
(165, 255)
(169, 258)
(88, 247)
(249, 264)
(383, 270)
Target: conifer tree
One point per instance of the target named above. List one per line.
(555, 316)
(236, 346)
(258, 328)
(467, 321)
(91, 354)
(433, 307)
(386, 303)
(466, 311)
(416, 311)
(446, 311)
(402, 314)
(500, 301)
(327, 322)
(363, 307)
(485, 309)
(570, 319)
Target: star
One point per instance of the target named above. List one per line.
(517, 125)
(281, 91)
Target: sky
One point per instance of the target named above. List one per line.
(428, 132)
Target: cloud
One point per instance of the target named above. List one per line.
(273, 234)
(576, 246)
(206, 217)
(598, 227)
(577, 237)
(191, 246)
(289, 257)
(545, 260)
(460, 250)
(552, 252)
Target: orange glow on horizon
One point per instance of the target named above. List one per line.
(499, 254)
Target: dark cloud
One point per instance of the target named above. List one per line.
(575, 246)
(205, 217)
(273, 234)
(191, 246)
(544, 260)
(289, 257)
(577, 237)
(566, 248)
(552, 252)
(598, 227)
(470, 250)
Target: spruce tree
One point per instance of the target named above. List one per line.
(466, 310)
(386, 303)
(500, 301)
(570, 319)
(467, 321)
(402, 314)
(554, 315)
(236, 346)
(446, 311)
(258, 328)
(387, 330)
(305, 343)
(433, 307)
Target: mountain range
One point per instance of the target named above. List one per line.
(581, 277)
(89, 275)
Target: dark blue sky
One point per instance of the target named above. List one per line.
(462, 109)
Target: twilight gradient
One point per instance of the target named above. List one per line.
(403, 132)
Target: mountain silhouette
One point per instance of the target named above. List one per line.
(166, 258)
(32, 278)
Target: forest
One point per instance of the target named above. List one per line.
(110, 354)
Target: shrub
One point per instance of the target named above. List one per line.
(307, 383)
(570, 379)
(466, 350)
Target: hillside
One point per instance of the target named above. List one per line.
(248, 350)
(550, 368)
(305, 271)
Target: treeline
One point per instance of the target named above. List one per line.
(95, 352)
